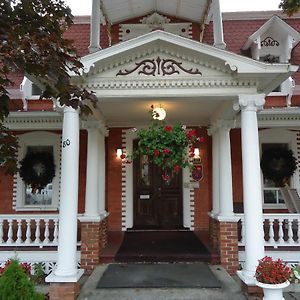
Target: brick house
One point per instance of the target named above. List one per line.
(240, 89)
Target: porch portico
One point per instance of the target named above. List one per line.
(198, 85)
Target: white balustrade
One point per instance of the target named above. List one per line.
(29, 230)
(280, 230)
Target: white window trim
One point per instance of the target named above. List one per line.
(39, 138)
(280, 135)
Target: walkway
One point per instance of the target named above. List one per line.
(230, 290)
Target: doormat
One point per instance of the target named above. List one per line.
(162, 246)
(180, 275)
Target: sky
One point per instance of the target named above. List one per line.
(83, 7)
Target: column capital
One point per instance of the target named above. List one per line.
(95, 124)
(250, 102)
(70, 109)
(221, 124)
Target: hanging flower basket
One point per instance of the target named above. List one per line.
(169, 147)
(37, 169)
(278, 164)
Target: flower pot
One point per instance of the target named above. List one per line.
(273, 291)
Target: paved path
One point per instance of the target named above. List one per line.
(230, 290)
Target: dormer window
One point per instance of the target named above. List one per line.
(275, 38)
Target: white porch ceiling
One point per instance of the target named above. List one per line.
(120, 10)
(135, 112)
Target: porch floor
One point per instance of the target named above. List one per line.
(157, 246)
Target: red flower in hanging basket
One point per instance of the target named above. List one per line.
(168, 128)
(156, 152)
(177, 168)
(166, 151)
(201, 139)
(191, 133)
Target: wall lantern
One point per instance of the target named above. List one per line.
(119, 153)
(159, 113)
(197, 153)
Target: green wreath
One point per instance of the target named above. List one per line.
(278, 164)
(37, 169)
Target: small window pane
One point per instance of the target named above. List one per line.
(44, 196)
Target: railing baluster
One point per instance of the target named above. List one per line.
(1, 232)
(271, 231)
(242, 231)
(46, 240)
(10, 232)
(280, 230)
(290, 232)
(19, 232)
(28, 232)
(37, 232)
(297, 231)
(55, 233)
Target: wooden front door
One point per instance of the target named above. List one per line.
(157, 203)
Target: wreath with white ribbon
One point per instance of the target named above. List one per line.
(37, 169)
(278, 164)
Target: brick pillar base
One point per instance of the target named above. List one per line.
(93, 241)
(252, 291)
(65, 291)
(224, 242)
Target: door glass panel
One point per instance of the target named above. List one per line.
(144, 167)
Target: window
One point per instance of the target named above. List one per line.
(272, 194)
(270, 138)
(47, 198)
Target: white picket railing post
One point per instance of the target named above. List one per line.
(21, 231)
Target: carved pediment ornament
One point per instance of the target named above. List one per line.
(159, 66)
(269, 42)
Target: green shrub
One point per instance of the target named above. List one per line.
(38, 273)
(16, 285)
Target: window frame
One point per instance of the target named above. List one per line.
(39, 138)
(279, 136)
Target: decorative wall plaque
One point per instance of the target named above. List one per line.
(269, 42)
(158, 66)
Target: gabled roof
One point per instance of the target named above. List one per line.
(241, 65)
(276, 24)
(116, 11)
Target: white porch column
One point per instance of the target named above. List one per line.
(213, 131)
(217, 25)
(66, 270)
(101, 172)
(226, 198)
(95, 27)
(252, 186)
(92, 187)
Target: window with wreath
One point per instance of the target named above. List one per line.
(278, 147)
(38, 178)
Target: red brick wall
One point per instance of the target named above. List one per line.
(224, 243)
(93, 241)
(6, 182)
(236, 165)
(203, 194)
(113, 179)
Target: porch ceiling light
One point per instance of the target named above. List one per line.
(159, 113)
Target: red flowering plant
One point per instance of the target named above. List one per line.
(271, 271)
(25, 267)
(167, 146)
